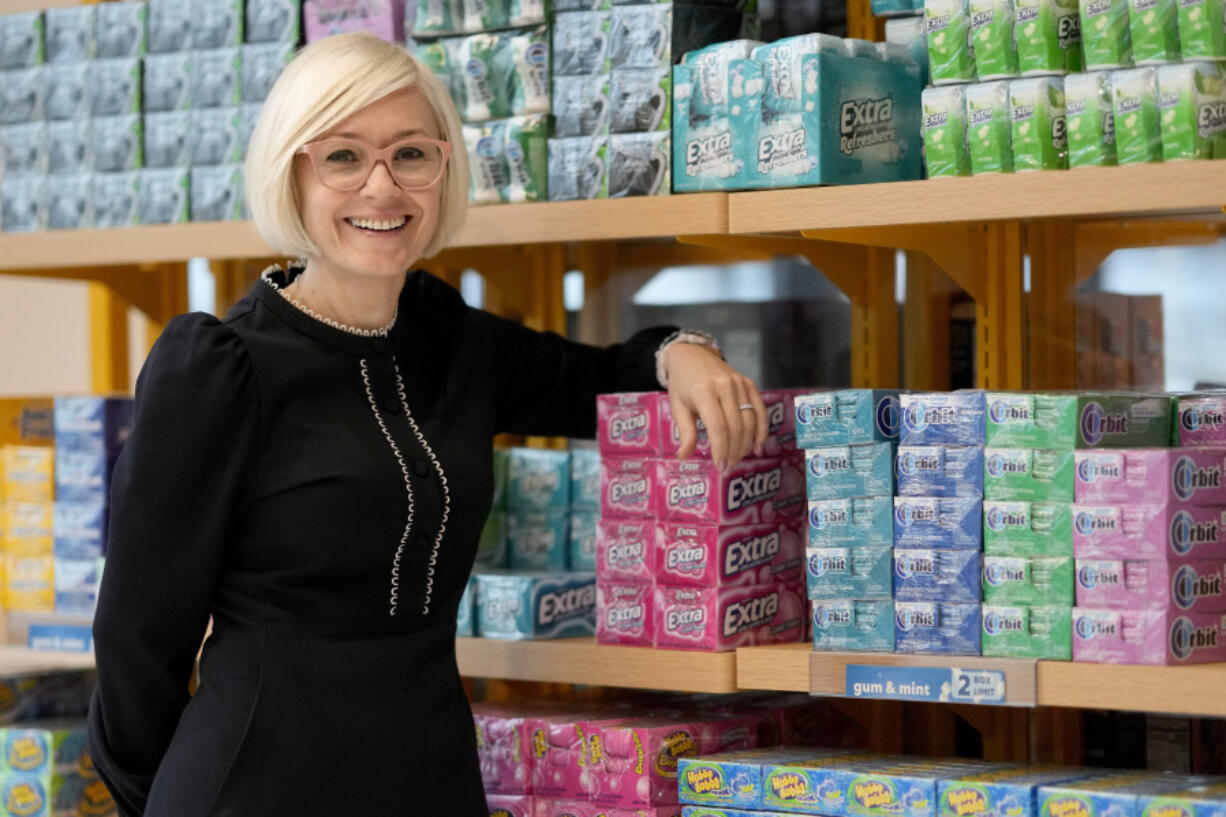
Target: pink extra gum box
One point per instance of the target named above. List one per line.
(780, 419)
(628, 424)
(1179, 476)
(628, 489)
(753, 492)
(625, 614)
(579, 808)
(715, 619)
(624, 550)
(638, 759)
(689, 555)
(1163, 637)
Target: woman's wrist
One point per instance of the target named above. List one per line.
(691, 336)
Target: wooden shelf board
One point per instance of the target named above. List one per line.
(598, 220)
(1092, 192)
(583, 661)
(152, 244)
(19, 6)
(1188, 690)
(15, 660)
(780, 666)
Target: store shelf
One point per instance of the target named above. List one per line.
(583, 661)
(1190, 690)
(1178, 188)
(16, 661)
(18, 6)
(782, 667)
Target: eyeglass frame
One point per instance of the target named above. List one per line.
(375, 156)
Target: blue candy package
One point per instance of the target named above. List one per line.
(938, 575)
(537, 479)
(849, 573)
(944, 418)
(936, 627)
(940, 470)
(859, 522)
(538, 540)
(536, 605)
(585, 479)
(848, 471)
(847, 417)
(934, 522)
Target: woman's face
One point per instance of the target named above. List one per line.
(327, 213)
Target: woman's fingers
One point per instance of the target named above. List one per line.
(686, 427)
(757, 419)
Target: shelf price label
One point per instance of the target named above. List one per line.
(56, 638)
(947, 684)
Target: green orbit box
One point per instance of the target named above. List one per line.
(1027, 528)
(1028, 632)
(1033, 581)
(1056, 420)
(1028, 474)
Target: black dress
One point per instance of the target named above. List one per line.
(320, 494)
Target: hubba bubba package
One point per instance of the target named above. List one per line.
(1103, 792)
(999, 791)
(735, 779)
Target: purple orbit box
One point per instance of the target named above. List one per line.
(627, 489)
(752, 492)
(1162, 637)
(1131, 531)
(1183, 584)
(1202, 420)
(628, 424)
(1183, 476)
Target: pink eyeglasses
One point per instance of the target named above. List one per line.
(345, 164)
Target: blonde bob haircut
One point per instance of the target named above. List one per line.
(327, 82)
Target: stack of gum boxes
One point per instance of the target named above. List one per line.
(46, 769)
(27, 488)
(938, 532)
(1148, 538)
(687, 557)
(849, 437)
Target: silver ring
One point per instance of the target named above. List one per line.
(746, 407)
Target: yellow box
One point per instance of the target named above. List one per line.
(28, 529)
(29, 583)
(27, 421)
(28, 473)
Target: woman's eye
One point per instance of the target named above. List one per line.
(342, 156)
(409, 154)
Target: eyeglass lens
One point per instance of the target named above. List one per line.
(346, 164)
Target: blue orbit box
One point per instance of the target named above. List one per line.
(848, 471)
(940, 470)
(859, 522)
(734, 779)
(1011, 791)
(938, 575)
(937, 627)
(847, 417)
(849, 573)
(92, 425)
(536, 605)
(853, 626)
(944, 418)
(935, 522)
(80, 529)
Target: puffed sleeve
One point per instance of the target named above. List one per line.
(186, 471)
(549, 384)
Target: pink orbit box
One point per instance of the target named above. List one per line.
(1162, 637)
(1183, 584)
(780, 418)
(1133, 531)
(1182, 476)
(624, 550)
(624, 614)
(511, 805)
(1202, 420)
(713, 556)
(383, 18)
(628, 489)
(754, 491)
(720, 619)
(628, 424)
(578, 808)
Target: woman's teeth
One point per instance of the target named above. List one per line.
(381, 226)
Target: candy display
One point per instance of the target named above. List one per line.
(848, 417)
(859, 522)
(714, 619)
(1142, 476)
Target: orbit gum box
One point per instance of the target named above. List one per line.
(1183, 584)
(847, 417)
(1190, 476)
(1028, 632)
(713, 556)
(853, 626)
(628, 489)
(936, 627)
(624, 550)
(1163, 637)
(536, 605)
(734, 779)
(628, 425)
(943, 418)
(933, 522)
(1034, 580)
(1028, 474)
(1027, 528)
(781, 427)
(720, 619)
(859, 522)
(1202, 420)
(940, 470)
(1132, 531)
(624, 613)
(845, 471)
(850, 573)
(752, 492)
(937, 575)
(1092, 420)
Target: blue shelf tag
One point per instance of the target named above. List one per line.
(948, 684)
(59, 638)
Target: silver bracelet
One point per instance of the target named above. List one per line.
(693, 336)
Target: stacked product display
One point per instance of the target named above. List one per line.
(1026, 114)
(805, 110)
(612, 101)
(498, 75)
(534, 576)
(689, 557)
(791, 780)
(46, 768)
(106, 135)
(56, 489)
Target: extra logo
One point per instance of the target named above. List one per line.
(686, 559)
(753, 488)
(1186, 533)
(687, 493)
(629, 617)
(1096, 423)
(685, 620)
(746, 615)
(1188, 586)
(751, 552)
(625, 555)
(630, 426)
(575, 602)
(707, 151)
(776, 415)
(629, 492)
(1187, 478)
(826, 616)
(1186, 638)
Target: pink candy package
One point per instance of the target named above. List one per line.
(639, 758)
(753, 492)
(577, 808)
(1163, 637)
(383, 18)
(624, 613)
(1202, 420)
(1176, 584)
(511, 805)
(1134, 531)
(628, 425)
(628, 489)
(688, 555)
(562, 767)
(505, 759)
(1181, 476)
(781, 424)
(624, 550)
(720, 619)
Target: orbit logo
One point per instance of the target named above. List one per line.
(1187, 478)
(1194, 418)
(825, 616)
(810, 412)
(1096, 423)
(997, 622)
(1186, 638)
(887, 416)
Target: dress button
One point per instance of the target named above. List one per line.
(421, 468)
(391, 405)
(423, 542)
